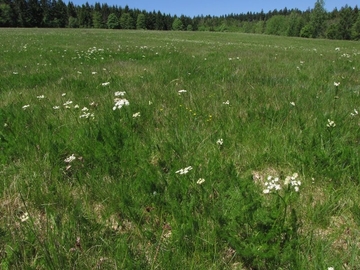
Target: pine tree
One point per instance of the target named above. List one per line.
(97, 19)
(5, 15)
(140, 22)
(355, 30)
(345, 24)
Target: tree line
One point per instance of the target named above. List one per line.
(311, 23)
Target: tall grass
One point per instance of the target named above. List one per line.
(88, 185)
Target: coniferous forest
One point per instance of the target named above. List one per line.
(316, 22)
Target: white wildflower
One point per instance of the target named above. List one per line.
(185, 170)
(120, 102)
(105, 83)
(136, 114)
(93, 73)
(337, 49)
(63, 94)
(40, 97)
(226, 102)
(336, 84)
(220, 142)
(56, 107)
(272, 183)
(76, 106)
(292, 180)
(354, 113)
(120, 93)
(70, 158)
(182, 91)
(25, 107)
(84, 109)
(292, 103)
(200, 181)
(67, 103)
(24, 217)
(330, 124)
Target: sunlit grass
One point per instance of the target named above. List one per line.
(160, 150)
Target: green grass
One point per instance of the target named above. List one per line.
(121, 205)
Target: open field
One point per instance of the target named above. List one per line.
(178, 150)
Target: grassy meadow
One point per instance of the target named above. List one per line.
(178, 150)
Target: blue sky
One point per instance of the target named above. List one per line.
(218, 7)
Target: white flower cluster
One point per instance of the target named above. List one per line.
(67, 103)
(354, 113)
(272, 183)
(220, 142)
(293, 182)
(86, 113)
(200, 181)
(70, 158)
(120, 93)
(136, 115)
(120, 102)
(24, 217)
(331, 124)
(185, 170)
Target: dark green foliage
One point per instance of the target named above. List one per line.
(140, 22)
(97, 19)
(317, 19)
(177, 25)
(277, 25)
(355, 30)
(113, 21)
(126, 21)
(307, 31)
(345, 23)
(295, 24)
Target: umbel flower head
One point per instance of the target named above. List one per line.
(272, 183)
(330, 124)
(120, 102)
(292, 180)
(185, 170)
(220, 142)
(200, 181)
(70, 158)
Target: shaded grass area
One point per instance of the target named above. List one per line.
(122, 203)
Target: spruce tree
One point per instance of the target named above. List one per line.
(140, 22)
